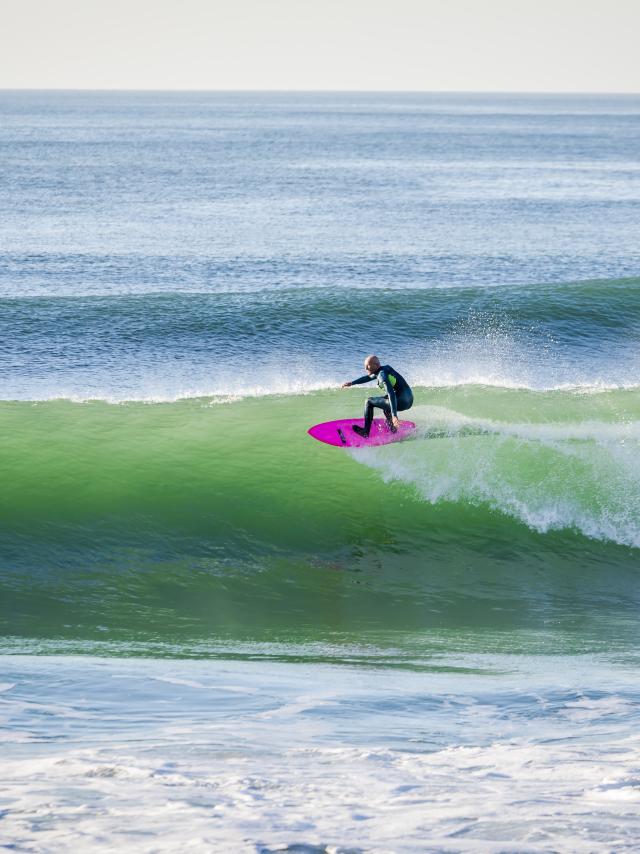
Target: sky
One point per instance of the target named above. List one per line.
(409, 45)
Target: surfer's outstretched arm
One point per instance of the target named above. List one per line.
(365, 379)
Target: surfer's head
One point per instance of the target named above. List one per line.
(372, 364)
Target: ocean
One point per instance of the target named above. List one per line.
(217, 634)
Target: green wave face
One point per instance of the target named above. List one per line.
(185, 521)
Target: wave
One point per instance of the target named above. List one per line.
(186, 519)
(550, 460)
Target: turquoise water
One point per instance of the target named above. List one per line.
(185, 282)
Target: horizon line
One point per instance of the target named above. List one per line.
(319, 91)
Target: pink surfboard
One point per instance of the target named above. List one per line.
(341, 434)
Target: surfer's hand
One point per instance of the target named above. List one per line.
(345, 385)
(395, 421)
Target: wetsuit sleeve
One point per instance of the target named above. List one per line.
(365, 379)
(393, 403)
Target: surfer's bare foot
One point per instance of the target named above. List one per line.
(360, 431)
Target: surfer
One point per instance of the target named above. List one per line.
(398, 395)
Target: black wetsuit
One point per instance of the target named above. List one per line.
(398, 395)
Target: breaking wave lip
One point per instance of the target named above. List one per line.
(212, 397)
(217, 398)
(294, 389)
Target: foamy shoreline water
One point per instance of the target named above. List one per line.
(254, 756)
